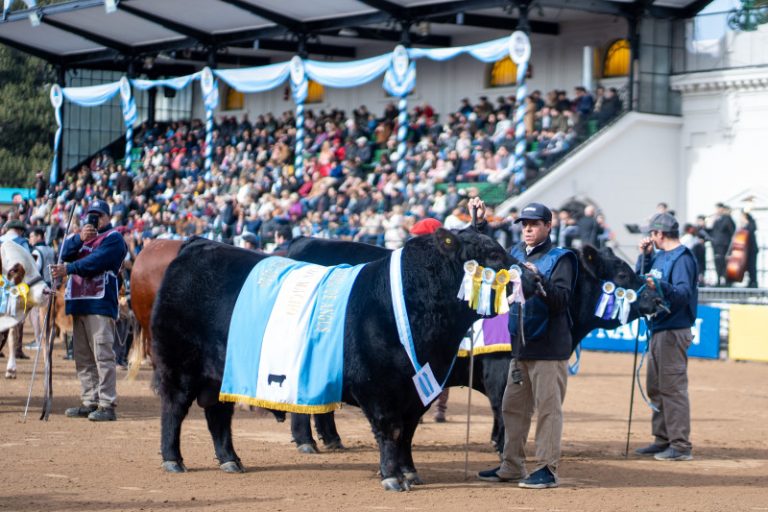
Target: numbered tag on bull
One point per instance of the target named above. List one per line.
(426, 385)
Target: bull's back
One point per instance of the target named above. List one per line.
(192, 311)
(334, 252)
(147, 274)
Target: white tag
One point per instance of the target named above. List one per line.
(426, 385)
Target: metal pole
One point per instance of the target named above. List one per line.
(634, 371)
(469, 397)
(633, 55)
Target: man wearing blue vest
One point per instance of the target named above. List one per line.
(94, 258)
(672, 268)
(539, 371)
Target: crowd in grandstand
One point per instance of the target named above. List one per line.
(349, 188)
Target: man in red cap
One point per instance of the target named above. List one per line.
(427, 226)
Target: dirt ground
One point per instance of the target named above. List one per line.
(75, 465)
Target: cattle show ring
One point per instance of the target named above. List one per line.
(374, 255)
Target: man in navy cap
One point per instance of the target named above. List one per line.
(539, 369)
(93, 257)
(672, 267)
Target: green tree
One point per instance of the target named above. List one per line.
(27, 123)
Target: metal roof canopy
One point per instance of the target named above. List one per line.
(81, 34)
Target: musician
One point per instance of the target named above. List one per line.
(748, 223)
(672, 267)
(721, 233)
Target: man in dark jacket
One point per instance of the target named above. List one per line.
(94, 258)
(721, 235)
(539, 371)
(672, 267)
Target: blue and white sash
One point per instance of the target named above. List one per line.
(285, 341)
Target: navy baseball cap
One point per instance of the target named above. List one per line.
(663, 222)
(535, 211)
(99, 206)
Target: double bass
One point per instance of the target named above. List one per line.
(736, 265)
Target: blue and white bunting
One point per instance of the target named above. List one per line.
(210, 88)
(129, 116)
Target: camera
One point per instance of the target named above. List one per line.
(516, 374)
(93, 219)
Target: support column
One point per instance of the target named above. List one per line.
(518, 169)
(299, 96)
(634, 54)
(402, 106)
(61, 72)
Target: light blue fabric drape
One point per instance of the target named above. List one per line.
(93, 95)
(489, 51)
(255, 79)
(347, 74)
(178, 83)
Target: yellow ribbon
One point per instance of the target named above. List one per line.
(23, 292)
(477, 281)
(500, 285)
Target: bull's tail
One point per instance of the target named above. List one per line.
(139, 350)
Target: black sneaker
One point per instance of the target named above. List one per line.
(541, 479)
(79, 412)
(651, 449)
(492, 475)
(673, 454)
(103, 414)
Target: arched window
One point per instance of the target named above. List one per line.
(503, 73)
(315, 92)
(235, 99)
(616, 61)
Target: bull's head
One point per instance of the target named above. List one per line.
(604, 265)
(469, 244)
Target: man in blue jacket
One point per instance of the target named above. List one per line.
(93, 263)
(670, 266)
(539, 371)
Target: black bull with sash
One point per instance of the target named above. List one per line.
(490, 376)
(192, 312)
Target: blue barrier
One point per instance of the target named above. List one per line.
(706, 336)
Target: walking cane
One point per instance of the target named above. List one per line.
(48, 389)
(634, 368)
(471, 376)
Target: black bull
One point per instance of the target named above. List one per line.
(490, 376)
(192, 313)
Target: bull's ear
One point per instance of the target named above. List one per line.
(447, 242)
(590, 259)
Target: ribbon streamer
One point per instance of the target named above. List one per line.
(515, 277)
(477, 281)
(465, 289)
(484, 304)
(620, 294)
(500, 305)
(606, 305)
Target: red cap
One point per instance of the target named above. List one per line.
(426, 226)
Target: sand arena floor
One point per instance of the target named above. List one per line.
(75, 465)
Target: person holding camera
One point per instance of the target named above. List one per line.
(94, 258)
(538, 373)
(672, 267)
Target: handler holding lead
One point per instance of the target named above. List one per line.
(672, 267)
(539, 371)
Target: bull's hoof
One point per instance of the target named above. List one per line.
(172, 466)
(413, 478)
(335, 446)
(279, 415)
(392, 484)
(232, 466)
(308, 448)
(10, 374)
